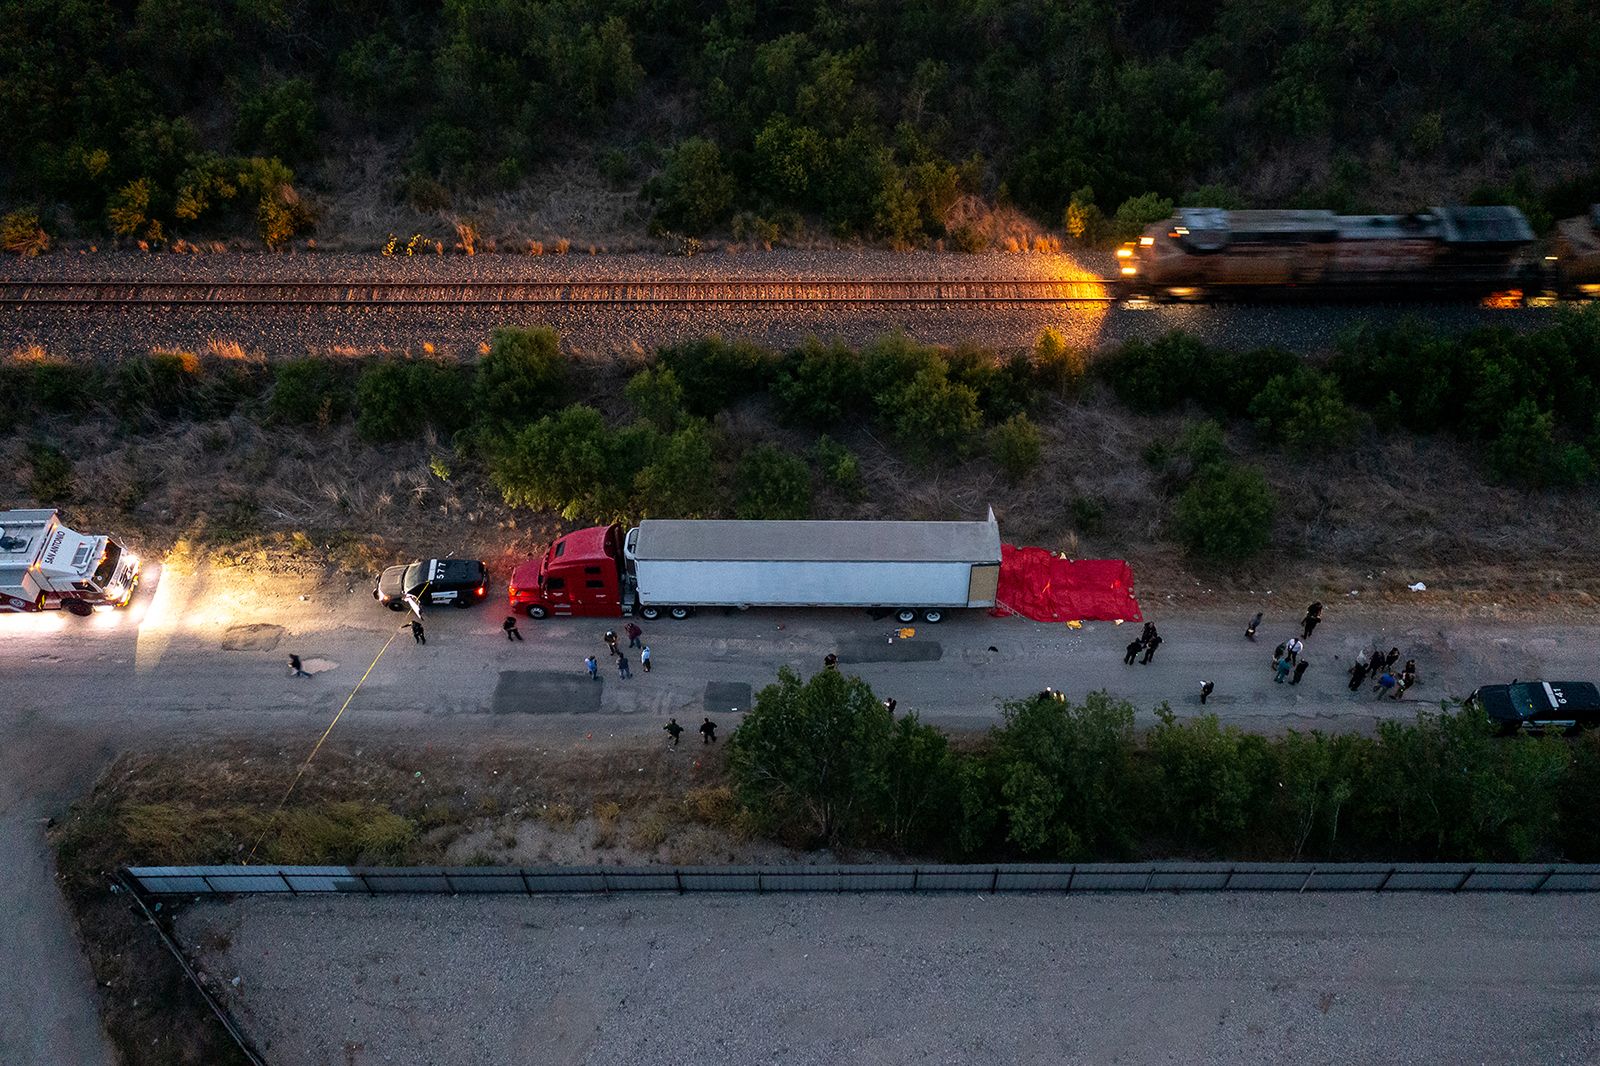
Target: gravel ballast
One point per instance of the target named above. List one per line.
(609, 330)
(894, 979)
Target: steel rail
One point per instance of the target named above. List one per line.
(57, 293)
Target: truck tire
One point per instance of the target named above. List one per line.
(905, 615)
(649, 614)
(933, 617)
(679, 613)
(536, 612)
(77, 607)
(396, 605)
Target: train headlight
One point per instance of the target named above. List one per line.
(1129, 271)
(1124, 253)
(1147, 241)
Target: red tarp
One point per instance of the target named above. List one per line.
(1047, 588)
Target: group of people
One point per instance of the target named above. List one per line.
(1148, 642)
(624, 669)
(708, 731)
(1380, 667)
(1287, 661)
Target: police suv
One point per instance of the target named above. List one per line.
(1540, 706)
(462, 582)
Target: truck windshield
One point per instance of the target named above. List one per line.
(413, 578)
(108, 565)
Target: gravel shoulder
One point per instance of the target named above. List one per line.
(828, 979)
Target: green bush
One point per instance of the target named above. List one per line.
(162, 384)
(714, 372)
(812, 760)
(838, 467)
(694, 190)
(1212, 786)
(50, 386)
(1083, 221)
(569, 462)
(679, 481)
(280, 120)
(1304, 411)
(1153, 376)
(1003, 387)
(1137, 212)
(522, 376)
(21, 234)
(50, 474)
(1058, 367)
(309, 390)
(772, 483)
(819, 384)
(1062, 777)
(1016, 446)
(397, 398)
(1225, 514)
(655, 396)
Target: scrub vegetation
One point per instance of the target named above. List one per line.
(715, 428)
(159, 120)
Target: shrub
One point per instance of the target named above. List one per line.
(1152, 376)
(395, 398)
(1016, 446)
(1137, 212)
(280, 120)
(819, 384)
(163, 384)
(838, 466)
(21, 234)
(569, 462)
(1062, 776)
(812, 757)
(50, 474)
(678, 481)
(1003, 388)
(1525, 451)
(771, 483)
(1304, 411)
(1083, 221)
(1225, 514)
(655, 396)
(1058, 367)
(694, 190)
(714, 372)
(1088, 515)
(309, 390)
(522, 376)
(1210, 784)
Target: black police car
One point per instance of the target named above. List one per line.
(1540, 706)
(462, 582)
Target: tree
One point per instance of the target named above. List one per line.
(1137, 212)
(523, 375)
(655, 396)
(1303, 411)
(677, 482)
(1016, 446)
(569, 462)
(714, 372)
(773, 484)
(312, 389)
(1225, 513)
(1057, 366)
(1210, 783)
(694, 190)
(818, 384)
(813, 757)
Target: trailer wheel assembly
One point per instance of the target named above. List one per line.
(78, 607)
(933, 617)
(649, 614)
(679, 613)
(905, 614)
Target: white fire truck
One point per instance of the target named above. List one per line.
(46, 566)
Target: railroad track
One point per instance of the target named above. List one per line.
(87, 294)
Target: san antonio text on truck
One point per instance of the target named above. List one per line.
(44, 566)
(672, 567)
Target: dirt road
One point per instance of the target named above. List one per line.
(203, 656)
(954, 979)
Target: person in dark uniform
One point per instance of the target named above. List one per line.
(674, 730)
(708, 730)
(510, 626)
(417, 634)
(1132, 651)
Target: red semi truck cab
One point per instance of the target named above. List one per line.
(580, 575)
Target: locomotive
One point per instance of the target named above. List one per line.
(1205, 252)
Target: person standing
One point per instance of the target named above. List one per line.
(890, 704)
(830, 661)
(708, 731)
(1312, 619)
(611, 642)
(1386, 682)
(674, 730)
(592, 665)
(417, 635)
(1206, 688)
(1292, 648)
(1299, 672)
(1150, 647)
(622, 666)
(1133, 650)
(1358, 674)
(294, 664)
(1250, 630)
(644, 657)
(1408, 677)
(510, 626)
(634, 633)
(1281, 668)
(1390, 659)
(1149, 631)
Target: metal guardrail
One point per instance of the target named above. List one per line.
(1054, 878)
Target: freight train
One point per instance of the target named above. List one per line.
(1211, 253)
